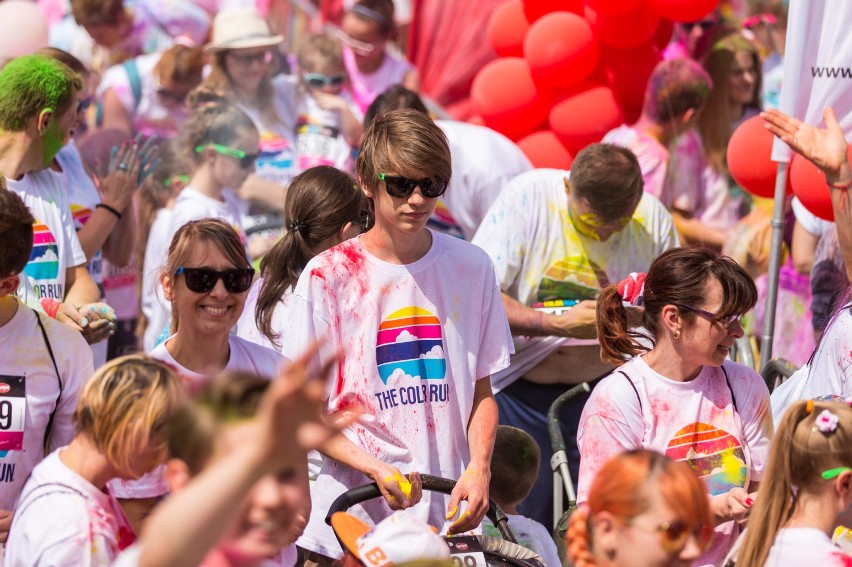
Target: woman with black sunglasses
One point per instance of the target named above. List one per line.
(220, 142)
(419, 321)
(205, 279)
(675, 391)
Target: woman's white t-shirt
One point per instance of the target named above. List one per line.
(805, 547)
(720, 426)
(414, 340)
(63, 519)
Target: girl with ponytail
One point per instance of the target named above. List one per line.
(323, 208)
(643, 510)
(220, 143)
(675, 391)
(805, 491)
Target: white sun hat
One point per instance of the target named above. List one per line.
(239, 28)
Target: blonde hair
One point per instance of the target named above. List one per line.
(127, 401)
(213, 231)
(800, 453)
(320, 50)
(406, 142)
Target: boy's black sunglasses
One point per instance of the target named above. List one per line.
(202, 280)
(403, 187)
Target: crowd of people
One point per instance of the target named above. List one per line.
(237, 282)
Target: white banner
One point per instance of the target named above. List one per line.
(817, 65)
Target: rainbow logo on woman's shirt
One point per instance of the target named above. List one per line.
(409, 346)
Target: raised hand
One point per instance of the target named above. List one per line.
(825, 147)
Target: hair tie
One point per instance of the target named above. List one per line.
(632, 289)
(297, 226)
(809, 407)
(373, 15)
(826, 422)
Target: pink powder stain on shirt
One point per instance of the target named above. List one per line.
(660, 408)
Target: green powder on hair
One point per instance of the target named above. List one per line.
(28, 85)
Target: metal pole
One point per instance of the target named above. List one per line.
(774, 264)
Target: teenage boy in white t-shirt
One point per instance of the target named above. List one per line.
(43, 364)
(38, 109)
(555, 238)
(418, 320)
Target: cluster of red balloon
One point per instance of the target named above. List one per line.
(571, 70)
(750, 164)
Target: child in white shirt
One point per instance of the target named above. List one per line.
(329, 125)
(514, 469)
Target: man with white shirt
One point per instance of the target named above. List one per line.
(559, 235)
(38, 110)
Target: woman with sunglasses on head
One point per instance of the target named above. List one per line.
(419, 320)
(806, 491)
(220, 141)
(365, 31)
(680, 395)
(147, 94)
(643, 510)
(242, 70)
(323, 208)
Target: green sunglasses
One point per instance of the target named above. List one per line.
(246, 160)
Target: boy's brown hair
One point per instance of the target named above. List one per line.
(514, 465)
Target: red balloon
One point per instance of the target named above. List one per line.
(561, 50)
(506, 29)
(585, 116)
(534, 9)
(810, 186)
(664, 33)
(749, 158)
(625, 31)
(683, 10)
(627, 71)
(544, 149)
(504, 94)
(613, 7)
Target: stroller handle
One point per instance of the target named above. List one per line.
(432, 483)
(557, 442)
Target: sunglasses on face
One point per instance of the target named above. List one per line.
(703, 24)
(202, 280)
(403, 187)
(673, 535)
(246, 160)
(246, 59)
(83, 105)
(318, 80)
(724, 321)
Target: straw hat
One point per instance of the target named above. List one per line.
(239, 28)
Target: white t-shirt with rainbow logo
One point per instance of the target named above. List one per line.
(415, 339)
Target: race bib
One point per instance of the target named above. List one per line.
(466, 551)
(13, 412)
